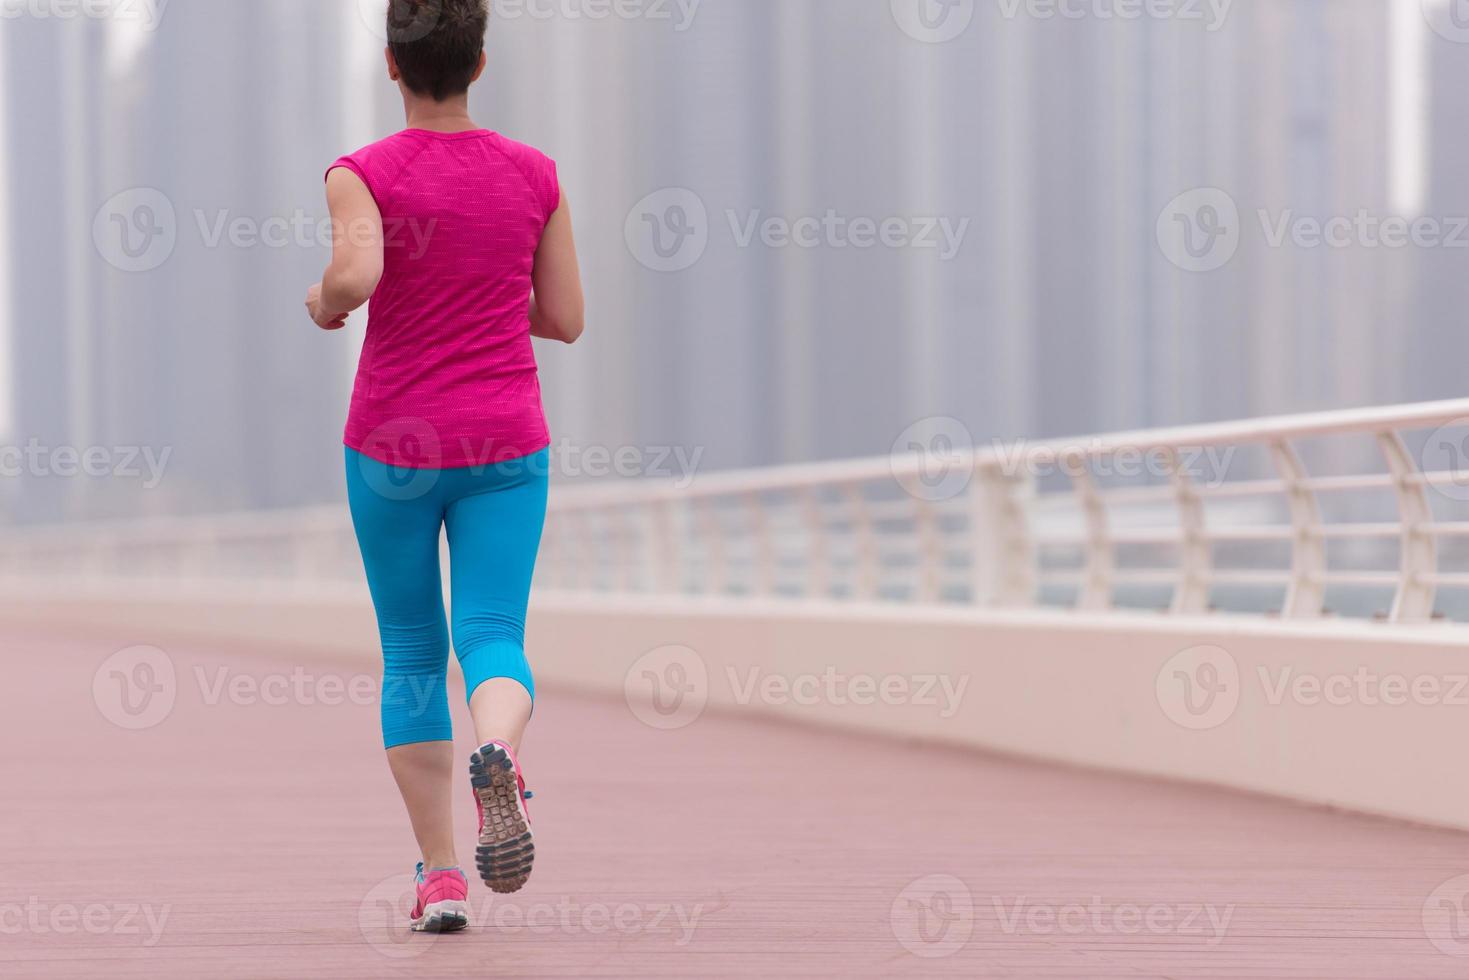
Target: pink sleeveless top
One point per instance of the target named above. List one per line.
(447, 377)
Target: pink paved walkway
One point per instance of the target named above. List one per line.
(249, 839)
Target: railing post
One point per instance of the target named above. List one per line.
(1419, 560)
(715, 571)
(1096, 593)
(622, 532)
(818, 568)
(1306, 596)
(866, 584)
(641, 537)
(1003, 565)
(607, 549)
(1191, 594)
(764, 549)
(667, 555)
(930, 550)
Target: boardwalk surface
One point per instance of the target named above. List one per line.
(253, 832)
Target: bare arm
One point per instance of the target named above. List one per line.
(557, 308)
(357, 251)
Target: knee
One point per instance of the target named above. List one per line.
(491, 644)
(415, 706)
(473, 631)
(414, 649)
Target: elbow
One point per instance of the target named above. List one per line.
(571, 331)
(576, 322)
(353, 286)
(564, 326)
(359, 287)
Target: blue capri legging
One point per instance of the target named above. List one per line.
(493, 515)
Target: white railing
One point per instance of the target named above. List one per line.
(1186, 520)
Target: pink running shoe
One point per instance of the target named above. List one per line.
(443, 901)
(506, 849)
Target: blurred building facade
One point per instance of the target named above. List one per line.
(1053, 144)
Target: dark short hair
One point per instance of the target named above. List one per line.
(437, 43)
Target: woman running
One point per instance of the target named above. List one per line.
(462, 240)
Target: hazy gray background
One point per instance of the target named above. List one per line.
(1060, 140)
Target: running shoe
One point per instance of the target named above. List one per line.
(506, 850)
(443, 900)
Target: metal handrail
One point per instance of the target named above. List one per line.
(877, 530)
